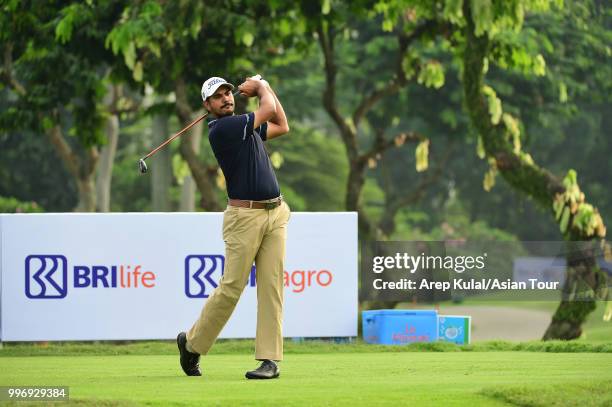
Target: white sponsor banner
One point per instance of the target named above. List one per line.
(147, 276)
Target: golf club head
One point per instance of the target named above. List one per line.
(142, 166)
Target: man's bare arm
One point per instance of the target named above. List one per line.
(277, 125)
(267, 104)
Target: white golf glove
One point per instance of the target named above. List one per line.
(258, 78)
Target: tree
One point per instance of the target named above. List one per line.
(183, 43)
(56, 81)
(313, 169)
(578, 220)
(561, 115)
(488, 33)
(30, 171)
(393, 67)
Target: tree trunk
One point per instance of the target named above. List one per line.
(82, 168)
(568, 319)
(87, 194)
(161, 178)
(86, 181)
(519, 170)
(107, 155)
(387, 220)
(188, 190)
(105, 170)
(583, 278)
(354, 185)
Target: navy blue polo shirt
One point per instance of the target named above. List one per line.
(242, 157)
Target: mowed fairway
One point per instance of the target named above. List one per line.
(490, 378)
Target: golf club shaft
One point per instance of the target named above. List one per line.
(193, 123)
(190, 125)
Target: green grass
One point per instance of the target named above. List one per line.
(363, 379)
(597, 393)
(322, 374)
(247, 346)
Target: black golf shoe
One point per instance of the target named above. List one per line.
(190, 362)
(267, 370)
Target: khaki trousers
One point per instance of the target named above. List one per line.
(250, 235)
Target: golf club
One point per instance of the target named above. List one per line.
(142, 166)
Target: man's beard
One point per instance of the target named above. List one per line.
(225, 112)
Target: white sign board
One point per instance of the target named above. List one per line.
(147, 276)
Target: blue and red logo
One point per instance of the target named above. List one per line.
(47, 275)
(203, 273)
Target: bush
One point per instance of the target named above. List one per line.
(13, 205)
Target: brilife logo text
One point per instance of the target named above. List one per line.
(47, 276)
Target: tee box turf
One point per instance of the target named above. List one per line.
(399, 327)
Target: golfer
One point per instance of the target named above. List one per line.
(254, 224)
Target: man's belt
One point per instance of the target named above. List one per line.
(268, 204)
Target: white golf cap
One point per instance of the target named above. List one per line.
(212, 84)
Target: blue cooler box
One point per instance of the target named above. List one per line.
(454, 328)
(399, 327)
